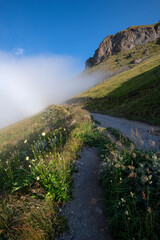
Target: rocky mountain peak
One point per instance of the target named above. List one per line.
(124, 40)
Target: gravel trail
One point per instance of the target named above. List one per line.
(145, 136)
(86, 213)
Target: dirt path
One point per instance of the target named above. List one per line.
(86, 213)
(145, 136)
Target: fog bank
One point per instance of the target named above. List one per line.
(29, 84)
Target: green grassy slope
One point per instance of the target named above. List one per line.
(126, 58)
(36, 166)
(134, 93)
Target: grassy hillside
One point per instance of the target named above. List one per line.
(133, 94)
(126, 59)
(36, 167)
(37, 155)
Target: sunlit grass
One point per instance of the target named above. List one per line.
(126, 58)
(133, 94)
(36, 171)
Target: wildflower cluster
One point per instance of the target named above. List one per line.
(130, 179)
(40, 166)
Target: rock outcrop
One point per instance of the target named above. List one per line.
(124, 40)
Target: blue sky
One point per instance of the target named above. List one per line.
(68, 27)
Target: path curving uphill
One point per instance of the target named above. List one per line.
(145, 136)
(86, 213)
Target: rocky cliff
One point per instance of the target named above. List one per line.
(124, 40)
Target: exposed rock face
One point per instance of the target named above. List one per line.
(124, 40)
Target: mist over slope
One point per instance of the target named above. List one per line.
(133, 94)
(133, 88)
(29, 84)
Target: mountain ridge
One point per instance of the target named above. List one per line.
(124, 40)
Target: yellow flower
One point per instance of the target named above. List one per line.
(27, 158)
(131, 194)
(29, 166)
(38, 178)
(127, 213)
(43, 134)
(25, 141)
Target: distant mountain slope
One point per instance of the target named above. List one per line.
(134, 93)
(124, 40)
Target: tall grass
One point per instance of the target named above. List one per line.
(130, 180)
(36, 173)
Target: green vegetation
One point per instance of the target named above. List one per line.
(36, 170)
(130, 180)
(126, 59)
(119, 137)
(37, 156)
(133, 94)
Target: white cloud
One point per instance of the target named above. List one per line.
(18, 51)
(29, 84)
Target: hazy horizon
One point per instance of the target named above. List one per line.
(29, 84)
(43, 45)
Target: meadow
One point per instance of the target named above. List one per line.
(36, 167)
(133, 94)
